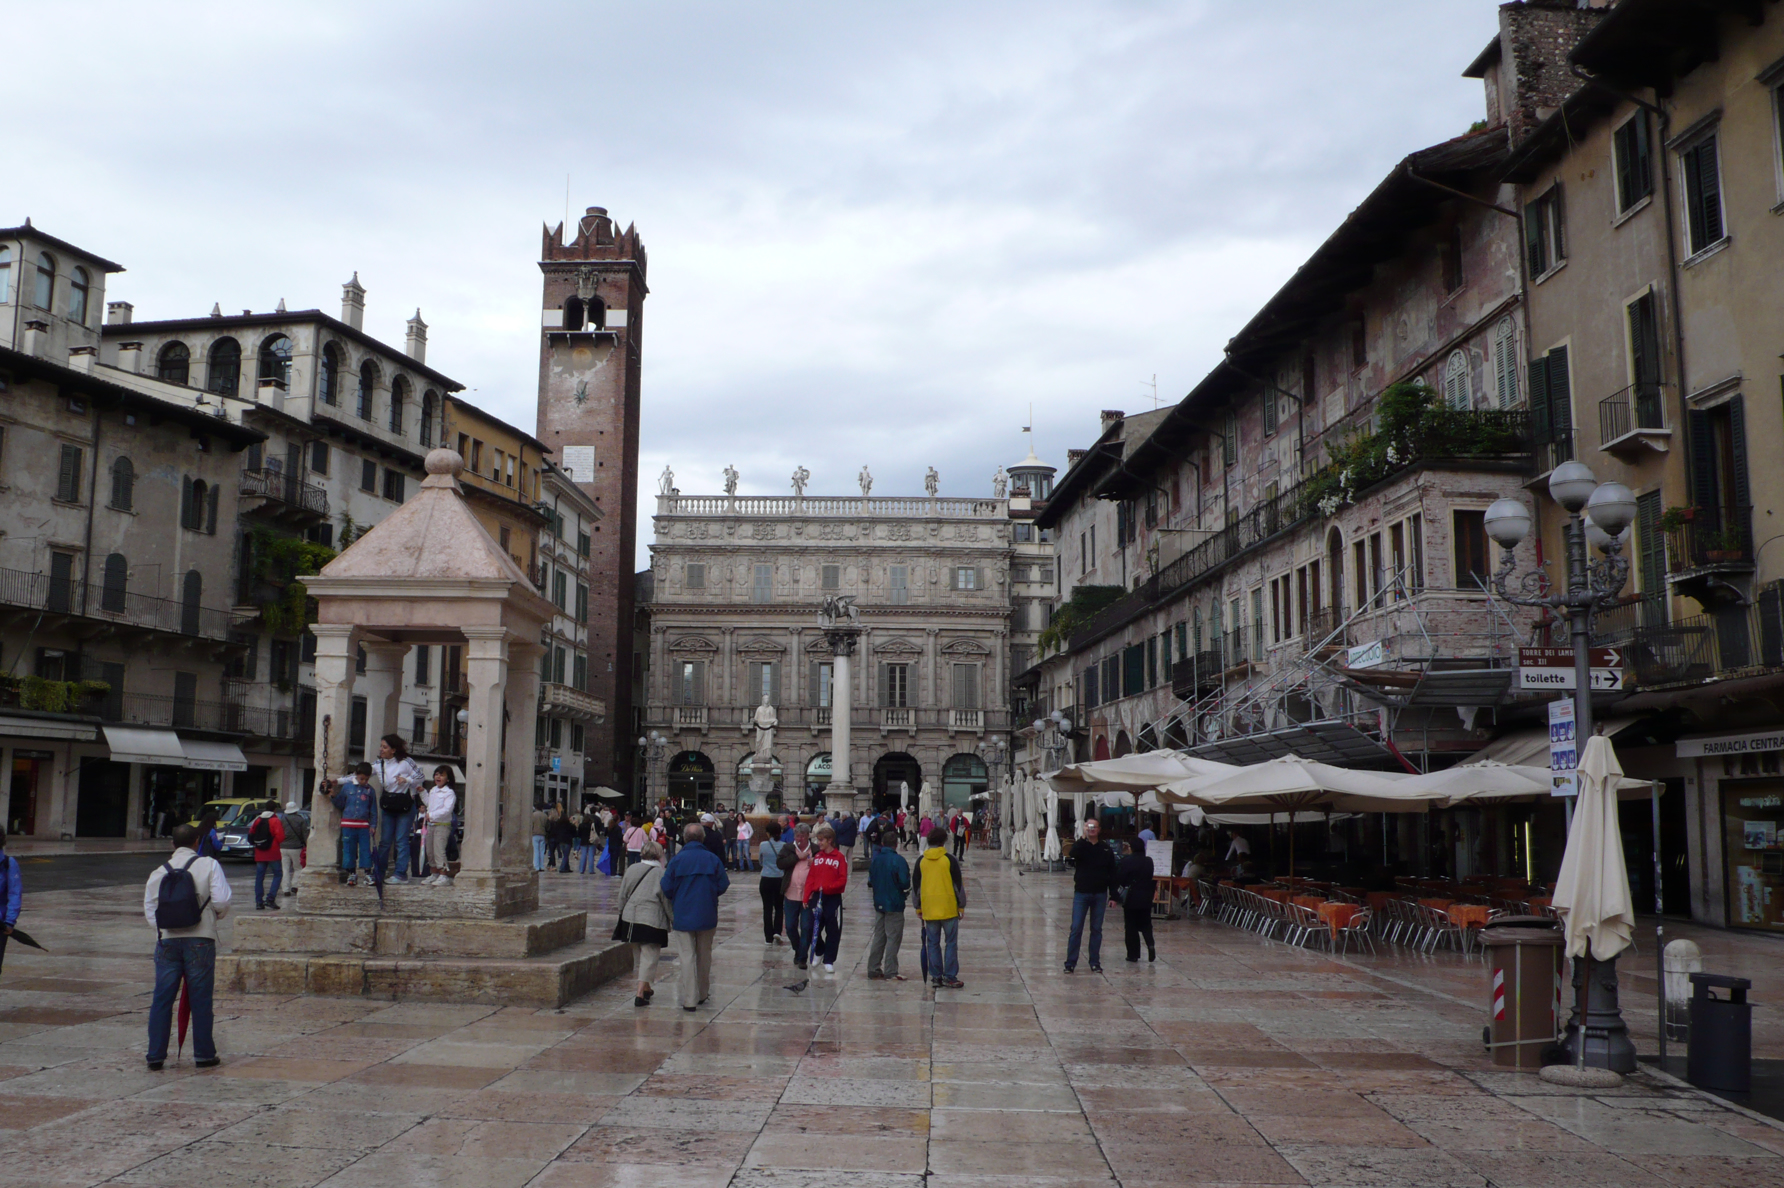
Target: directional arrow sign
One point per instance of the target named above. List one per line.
(1602, 679)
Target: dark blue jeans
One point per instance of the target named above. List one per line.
(193, 958)
(941, 949)
(403, 828)
(260, 881)
(799, 929)
(827, 934)
(1095, 903)
(356, 848)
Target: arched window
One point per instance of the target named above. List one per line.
(78, 284)
(1455, 381)
(399, 396)
(224, 374)
(428, 404)
(5, 274)
(191, 591)
(1505, 363)
(174, 364)
(117, 577)
(123, 484)
(331, 374)
(595, 313)
(46, 280)
(572, 313)
(275, 360)
(368, 381)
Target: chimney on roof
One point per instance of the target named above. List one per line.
(353, 303)
(281, 307)
(216, 309)
(1110, 417)
(130, 357)
(1072, 457)
(81, 358)
(119, 313)
(415, 341)
(1534, 78)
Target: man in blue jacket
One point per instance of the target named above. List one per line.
(693, 882)
(847, 829)
(12, 893)
(889, 876)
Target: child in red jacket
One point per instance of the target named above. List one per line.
(824, 886)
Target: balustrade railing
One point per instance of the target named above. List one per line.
(1639, 406)
(1713, 536)
(286, 488)
(851, 506)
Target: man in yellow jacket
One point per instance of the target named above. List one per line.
(941, 898)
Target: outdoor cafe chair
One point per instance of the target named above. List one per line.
(1356, 932)
(1301, 925)
(1440, 929)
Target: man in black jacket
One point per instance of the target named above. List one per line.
(1093, 873)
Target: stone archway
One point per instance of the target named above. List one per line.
(963, 777)
(1123, 744)
(692, 779)
(888, 770)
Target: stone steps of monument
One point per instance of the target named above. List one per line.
(548, 980)
(395, 936)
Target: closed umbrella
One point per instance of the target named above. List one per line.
(1593, 892)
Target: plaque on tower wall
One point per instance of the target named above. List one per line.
(579, 463)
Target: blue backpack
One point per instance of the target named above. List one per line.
(178, 905)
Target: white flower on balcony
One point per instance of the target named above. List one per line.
(1393, 453)
(1329, 505)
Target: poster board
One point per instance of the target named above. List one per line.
(1160, 853)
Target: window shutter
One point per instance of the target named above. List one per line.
(68, 481)
(1560, 396)
(699, 683)
(1709, 193)
(774, 688)
(1737, 440)
(1557, 225)
(978, 579)
(210, 521)
(185, 499)
(813, 690)
(1703, 460)
(1539, 400)
(885, 687)
(1533, 237)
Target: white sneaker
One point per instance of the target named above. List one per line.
(829, 968)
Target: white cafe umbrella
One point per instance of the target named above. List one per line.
(1490, 782)
(1133, 773)
(1050, 851)
(1291, 784)
(1593, 886)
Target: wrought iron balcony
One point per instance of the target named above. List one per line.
(1634, 419)
(288, 492)
(1704, 552)
(111, 604)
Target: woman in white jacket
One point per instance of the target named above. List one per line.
(645, 916)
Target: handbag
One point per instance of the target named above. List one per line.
(395, 803)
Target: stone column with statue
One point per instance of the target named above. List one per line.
(840, 620)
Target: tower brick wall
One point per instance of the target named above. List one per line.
(590, 346)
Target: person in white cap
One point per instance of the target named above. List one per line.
(297, 835)
(715, 837)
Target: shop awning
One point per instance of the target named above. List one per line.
(1530, 748)
(204, 755)
(138, 744)
(44, 728)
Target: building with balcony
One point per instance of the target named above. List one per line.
(566, 707)
(736, 584)
(118, 549)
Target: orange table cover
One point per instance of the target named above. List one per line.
(1338, 915)
(1310, 901)
(1539, 901)
(1442, 905)
(1379, 899)
(1279, 894)
(1468, 915)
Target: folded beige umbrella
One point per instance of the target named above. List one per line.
(1593, 886)
(1491, 782)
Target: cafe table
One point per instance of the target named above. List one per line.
(1337, 915)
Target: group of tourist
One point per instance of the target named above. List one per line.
(803, 875)
(413, 815)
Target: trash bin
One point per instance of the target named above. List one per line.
(1524, 964)
(1721, 1053)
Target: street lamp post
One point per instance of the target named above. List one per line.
(1598, 516)
(993, 751)
(651, 749)
(1050, 735)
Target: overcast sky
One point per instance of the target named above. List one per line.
(877, 233)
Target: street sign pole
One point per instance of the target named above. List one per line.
(1579, 581)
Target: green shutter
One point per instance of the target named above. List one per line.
(1737, 440)
(1539, 401)
(1705, 489)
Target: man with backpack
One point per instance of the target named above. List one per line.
(291, 850)
(184, 899)
(266, 833)
(940, 891)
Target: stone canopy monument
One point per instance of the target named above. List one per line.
(428, 574)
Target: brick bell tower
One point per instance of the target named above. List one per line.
(590, 345)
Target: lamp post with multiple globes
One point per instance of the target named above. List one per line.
(1598, 516)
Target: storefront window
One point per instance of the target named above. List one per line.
(1753, 844)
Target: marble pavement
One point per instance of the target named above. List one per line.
(1230, 1061)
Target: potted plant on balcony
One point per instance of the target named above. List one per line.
(1673, 522)
(1725, 545)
